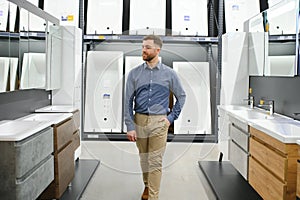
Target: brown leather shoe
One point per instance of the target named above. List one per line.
(145, 194)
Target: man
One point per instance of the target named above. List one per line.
(148, 88)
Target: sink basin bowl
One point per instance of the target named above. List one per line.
(53, 118)
(286, 129)
(250, 115)
(17, 130)
(237, 107)
(57, 109)
(287, 132)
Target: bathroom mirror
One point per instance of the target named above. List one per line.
(279, 22)
(54, 54)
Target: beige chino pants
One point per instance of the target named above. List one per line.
(151, 143)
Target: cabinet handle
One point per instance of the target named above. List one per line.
(298, 161)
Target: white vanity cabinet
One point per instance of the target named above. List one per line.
(223, 132)
(26, 166)
(239, 145)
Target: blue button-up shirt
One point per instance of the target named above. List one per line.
(149, 90)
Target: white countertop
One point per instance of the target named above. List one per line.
(19, 129)
(57, 109)
(280, 127)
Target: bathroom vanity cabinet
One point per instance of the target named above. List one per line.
(272, 166)
(298, 173)
(66, 140)
(26, 166)
(238, 147)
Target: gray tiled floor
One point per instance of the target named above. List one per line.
(119, 177)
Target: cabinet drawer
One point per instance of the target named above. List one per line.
(63, 134)
(63, 173)
(298, 180)
(276, 144)
(32, 186)
(64, 169)
(238, 123)
(241, 138)
(275, 162)
(239, 159)
(267, 185)
(32, 150)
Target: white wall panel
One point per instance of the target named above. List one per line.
(147, 17)
(237, 12)
(13, 66)
(12, 16)
(103, 103)
(104, 17)
(67, 11)
(33, 73)
(195, 117)
(4, 68)
(31, 22)
(3, 14)
(189, 17)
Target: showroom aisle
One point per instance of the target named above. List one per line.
(118, 177)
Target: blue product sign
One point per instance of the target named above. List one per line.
(186, 18)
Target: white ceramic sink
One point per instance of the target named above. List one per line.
(284, 131)
(238, 107)
(57, 109)
(281, 127)
(17, 130)
(252, 115)
(52, 118)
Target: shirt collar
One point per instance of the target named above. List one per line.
(158, 66)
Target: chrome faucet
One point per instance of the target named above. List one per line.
(296, 114)
(270, 105)
(251, 101)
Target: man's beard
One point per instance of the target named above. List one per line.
(148, 58)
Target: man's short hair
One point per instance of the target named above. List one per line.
(156, 39)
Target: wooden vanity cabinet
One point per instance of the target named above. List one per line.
(76, 133)
(272, 166)
(65, 143)
(298, 174)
